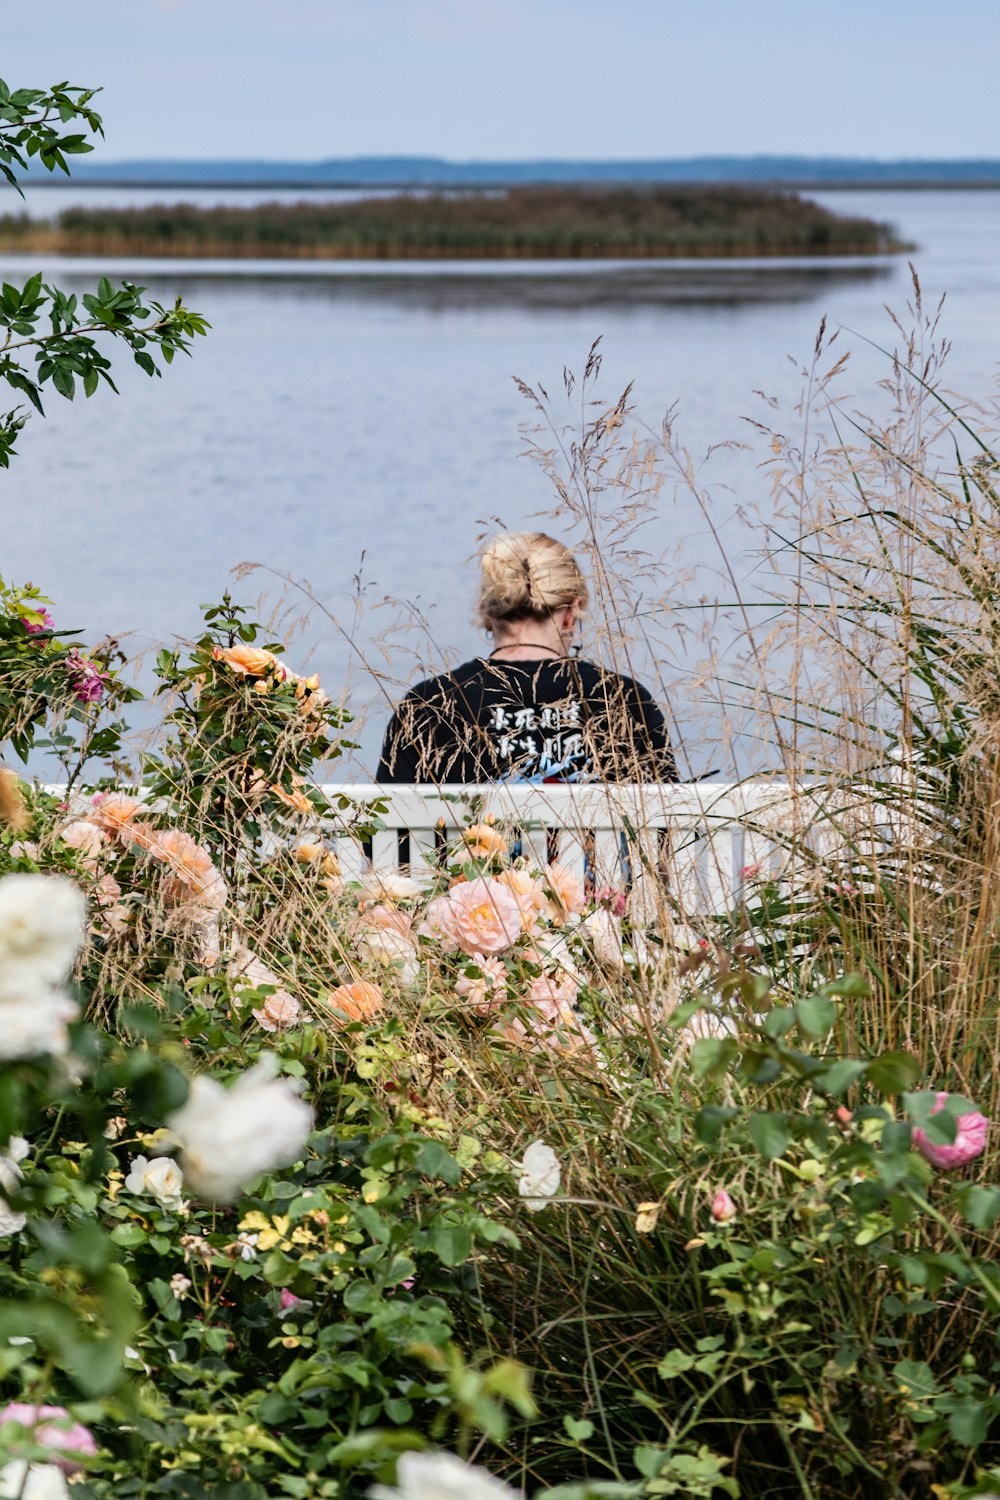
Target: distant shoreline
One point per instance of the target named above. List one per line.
(313, 185)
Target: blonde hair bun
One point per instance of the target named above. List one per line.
(527, 575)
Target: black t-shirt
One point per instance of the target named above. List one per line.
(550, 720)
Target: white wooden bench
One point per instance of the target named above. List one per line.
(710, 838)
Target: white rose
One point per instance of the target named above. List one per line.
(603, 935)
(22, 1481)
(11, 1177)
(389, 885)
(41, 925)
(33, 1016)
(442, 1476)
(161, 1178)
(380, 945)
(230, 1137)
(540, 1175)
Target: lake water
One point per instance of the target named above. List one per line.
(357, 427)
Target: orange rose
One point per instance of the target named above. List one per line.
(111, 811)
(249, 661)
(360, 1001)
(193, 879)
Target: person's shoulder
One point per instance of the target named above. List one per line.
(608, 680)
(445, 683)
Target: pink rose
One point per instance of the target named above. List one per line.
(484, 916)
(40, 627)
(485, 993)
(287, 1299)
(969, 1142)
(53, 1427)
(87, 680)
(722, 1207)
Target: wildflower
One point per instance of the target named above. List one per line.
(486, 917)
(180, 1284)
(971, 1130)
(230, 1137)
(483, 990)
(24, 1481)
(722, 1207)
(86, 678)
(483, 841)
(160, 1177)
(360, 1001)
(540, 1176)
(53, 1427)
(441, 1476)
(11, 1178)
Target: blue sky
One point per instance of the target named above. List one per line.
(475, 79)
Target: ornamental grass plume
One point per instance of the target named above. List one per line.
(230, 1137)
(971, 1130)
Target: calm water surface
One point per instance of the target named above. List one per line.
(357, 427)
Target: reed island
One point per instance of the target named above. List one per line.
(530, 223)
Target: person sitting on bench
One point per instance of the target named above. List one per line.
(529, 711)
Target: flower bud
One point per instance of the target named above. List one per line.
(722, 1209)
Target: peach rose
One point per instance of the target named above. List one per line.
(483, 841)
(554, 1026)
(249, 661)
(278, 1012)
(556, 989)
(486, 991)
(112, 911)
(111, 811)
(565, 892)
(360, 1001)
(87, 839)
(528, 893)
(193, 880)
(439, 925)
(485, 916)
(389, 918)
(317, 854)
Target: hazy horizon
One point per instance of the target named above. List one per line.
(512, 80)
